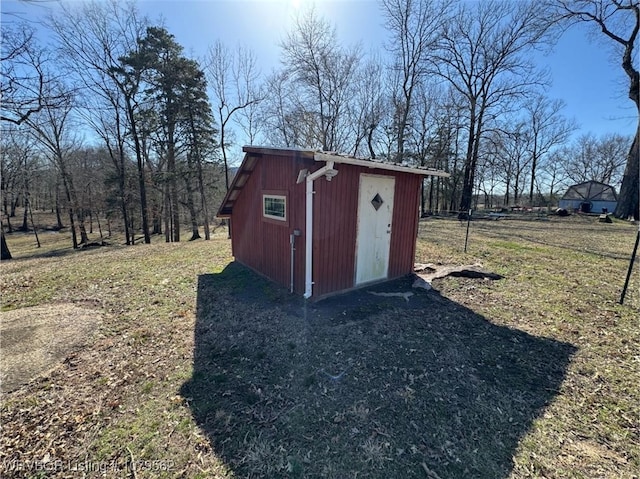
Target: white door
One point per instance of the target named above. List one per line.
(375, 212)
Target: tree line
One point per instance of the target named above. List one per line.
(455, 89)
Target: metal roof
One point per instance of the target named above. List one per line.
(253, 153)
(368, 163)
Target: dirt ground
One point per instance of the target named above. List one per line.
(36, 339)
(395, 386)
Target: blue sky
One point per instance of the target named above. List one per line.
(592, 85)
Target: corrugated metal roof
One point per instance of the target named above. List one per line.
(252, 153)
(382, 165)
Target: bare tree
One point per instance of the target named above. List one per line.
(11, 171)
(619, 22)
(18, 160)
(510, 146)
(368, 107)
(552, 173)
(52, 128)
(275, 110)
(415, 27)
(423, 136)
(483, 57)
(248, 118)
(232, 77)
(91, 38)
(597, 158)
(25, 87)
(548, 129)
(324, 74)
(5, 253)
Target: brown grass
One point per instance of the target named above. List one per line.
(35, 339)
(201, 369)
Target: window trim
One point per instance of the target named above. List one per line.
(280, 195)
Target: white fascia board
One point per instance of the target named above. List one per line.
(325, 157)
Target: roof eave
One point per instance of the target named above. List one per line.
(252, 153)
(347, 160)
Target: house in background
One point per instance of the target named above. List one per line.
(590, 197)
(323, 223)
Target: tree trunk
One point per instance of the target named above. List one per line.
(629, 191)
(156, 220)
(534, 166)
(25, 215)
(141, 176)
(14, 205)
(73, 200)
(468, 182)
(402, 126)
(203, 201)
(198, 164)
(175, 210)
(454, 180)
(6, 254)
(372, 153)
(167, 214)
(72, 222)
(431, 186)
(33, 223)
(173, 180)
(59, 224)
(5, 198)
(122, 179)
(123, 209)
(193, 215)
(475, 127)
(122, 192)
(223, 148)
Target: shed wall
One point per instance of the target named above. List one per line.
(596, 206)
(335, 208)
(265, 245)
(405, 224)
(335, 227)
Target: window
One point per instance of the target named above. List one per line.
(274, 207)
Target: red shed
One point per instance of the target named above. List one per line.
(361, 217)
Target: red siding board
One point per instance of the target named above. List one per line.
(335, 212)
(335, 227)
(405, 220)
(265, 246)
(246, 224)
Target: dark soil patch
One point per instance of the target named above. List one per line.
(361, 384)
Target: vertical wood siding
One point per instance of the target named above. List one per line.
(335, 227)
(405, 224)
(335, 212)
(262, 245)
(265, 246)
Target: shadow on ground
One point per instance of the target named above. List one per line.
(362, 385)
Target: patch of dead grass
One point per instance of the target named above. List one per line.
(241, 383)
(35, 339)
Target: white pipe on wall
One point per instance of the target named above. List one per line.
(328, 170)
